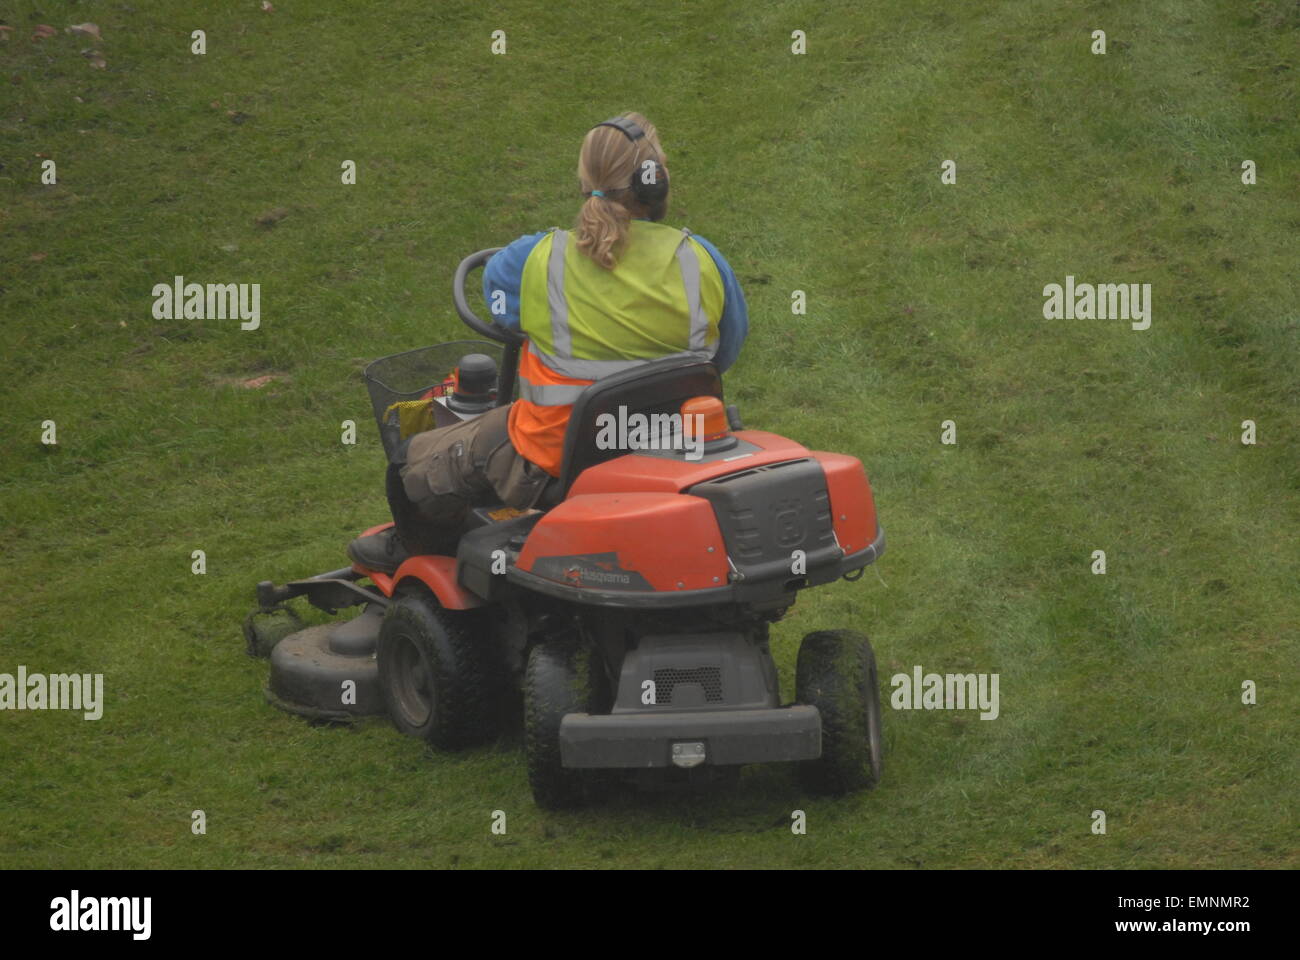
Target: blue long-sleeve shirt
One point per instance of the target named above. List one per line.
(505, 272)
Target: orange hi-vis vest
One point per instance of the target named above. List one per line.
(664, 298)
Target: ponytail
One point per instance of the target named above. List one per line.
(607, 163)
(602, 230)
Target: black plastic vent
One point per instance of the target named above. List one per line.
(710, 678)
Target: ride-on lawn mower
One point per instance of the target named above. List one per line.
(632, 609)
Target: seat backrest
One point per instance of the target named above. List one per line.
(660, 386)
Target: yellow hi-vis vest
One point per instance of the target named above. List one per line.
(664, 298)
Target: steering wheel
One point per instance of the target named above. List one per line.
(512, 339)
(481, 327)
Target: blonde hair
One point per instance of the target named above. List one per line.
(607, 163)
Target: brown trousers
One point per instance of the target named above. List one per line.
(444, 473)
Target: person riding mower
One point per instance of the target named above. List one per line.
(618, 291)
(625, 589)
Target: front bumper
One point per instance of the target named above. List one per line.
(730, 737)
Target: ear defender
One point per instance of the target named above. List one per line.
(650, 180)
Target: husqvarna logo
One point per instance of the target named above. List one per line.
(590, 570)
(578, 576)
(787, 522)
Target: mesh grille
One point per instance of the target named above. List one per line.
(710, 678)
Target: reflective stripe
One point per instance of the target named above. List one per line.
(690, 265)
(561, 339)
(550, 394)
(596, 369)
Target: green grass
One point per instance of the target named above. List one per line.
(1119, 692)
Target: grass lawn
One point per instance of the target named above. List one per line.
(819, 172)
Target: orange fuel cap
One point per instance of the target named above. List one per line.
(715, 418)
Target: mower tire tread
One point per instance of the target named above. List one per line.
(561, 678)
(466, 685)
(836, 673)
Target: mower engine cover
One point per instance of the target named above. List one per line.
(752, 524)
(636, 542)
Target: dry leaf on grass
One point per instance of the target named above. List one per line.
(44, 30)
(86, 30)
(272, 217)
(266, 6)
(256, 382)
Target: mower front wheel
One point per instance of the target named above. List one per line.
(437, 679)
(836, 673)
(563, 676)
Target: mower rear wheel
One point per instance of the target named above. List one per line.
(836, 673)
(438, 680)
(563, 676)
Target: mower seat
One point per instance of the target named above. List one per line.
(660, 386)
